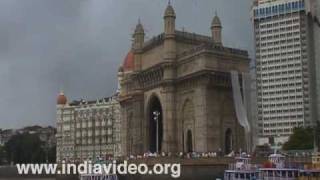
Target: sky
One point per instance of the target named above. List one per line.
(77, 46)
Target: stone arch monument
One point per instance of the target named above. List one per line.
(176, 88)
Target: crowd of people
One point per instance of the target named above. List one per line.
(182, 155)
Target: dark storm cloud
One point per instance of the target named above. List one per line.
(77, 46)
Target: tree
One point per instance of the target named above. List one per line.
(25, 148)
(301, 139)
(2, 155)
(52, 154)
(317, 135)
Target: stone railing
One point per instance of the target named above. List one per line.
(212, 47)
(153, 42)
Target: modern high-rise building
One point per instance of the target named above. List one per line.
(87, 130)
(284, 63)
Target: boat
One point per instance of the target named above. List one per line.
(242, 169)
(312, 172)
(276, 169)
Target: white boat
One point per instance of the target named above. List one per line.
(242, 169)
(278, 174)
(274, 170)
(278, 171)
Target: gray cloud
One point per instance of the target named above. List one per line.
(77, 45)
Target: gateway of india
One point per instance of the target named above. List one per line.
(176, 92)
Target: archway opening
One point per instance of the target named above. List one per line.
(188, 127)
(228, 141)
(189, 141)
(155, 125)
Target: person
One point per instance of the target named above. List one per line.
(163, 154)
(220, 152)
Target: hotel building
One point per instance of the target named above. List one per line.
(88, 130)
(284, 63)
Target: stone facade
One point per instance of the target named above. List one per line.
(176, 92)
(65, 133)
(87, 130)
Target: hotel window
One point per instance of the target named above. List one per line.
(281, 8)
